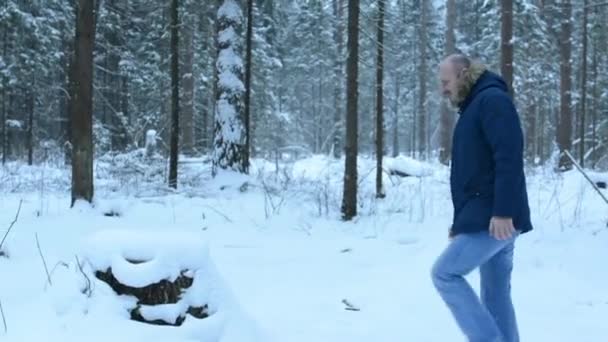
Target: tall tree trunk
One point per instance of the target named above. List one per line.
(229, 138)
(248, 66)
(541, 137)
(338, 74)
(207, 32)
(446, 121)
(396, 117)
(506, 43)
(596, 103)
(30, 125)
(531, 117)
(174, 94)
(564, 129)
(349, 199)
(379, 100)
(66, 124)
(4, 93)
(584, 88)
(422, 79)
(187, 79)
(415, 95)
(82, 103)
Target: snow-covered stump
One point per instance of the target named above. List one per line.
(164, 272)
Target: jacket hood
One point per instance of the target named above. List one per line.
(478, 79)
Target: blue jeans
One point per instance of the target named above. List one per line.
(493, 318)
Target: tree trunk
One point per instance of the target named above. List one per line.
(187, 79)
(596, 104)
(81, 103)
(396, 117)
(564, 129)
(349, 200)
(379, 100)
(531, 117)
(248, 66)
(174, 94)
(338, 74)
(422, 79)
(446, 121)
(229, 139)
(506, 43)
(4, 95)
(584, 89)
(30, 126)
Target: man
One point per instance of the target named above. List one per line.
(490, 201)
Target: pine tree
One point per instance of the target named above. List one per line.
(229, 152)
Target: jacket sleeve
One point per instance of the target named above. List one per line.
(502, 129)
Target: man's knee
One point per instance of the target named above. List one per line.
(440, 274)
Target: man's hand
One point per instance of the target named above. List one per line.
(501, 228)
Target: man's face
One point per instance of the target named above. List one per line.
(450, 82)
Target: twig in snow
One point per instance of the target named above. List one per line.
(580, 169)
(220, 213)
(46, 269)
(88, 290)
(12, 224)
(349, 306)
(3, 318)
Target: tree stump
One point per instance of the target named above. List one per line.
(157, 269)
(162, 292)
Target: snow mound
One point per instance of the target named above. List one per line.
(409, 166)
(140, 258)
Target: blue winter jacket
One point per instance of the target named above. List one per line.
(487, 175)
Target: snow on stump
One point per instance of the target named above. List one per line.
(407, 167)
(164, 272)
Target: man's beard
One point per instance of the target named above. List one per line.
(450, 102)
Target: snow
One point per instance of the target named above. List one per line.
(228, 35)
(138, 261)
(228, 61)
(232, 129)
(274, 267)
(14, 124)
(230, 10)
(409, 165)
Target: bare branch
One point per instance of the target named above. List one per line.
(3, 318)
(46, 269)
(12, 224)
(88, 290)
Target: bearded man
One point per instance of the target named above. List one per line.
(488, 189)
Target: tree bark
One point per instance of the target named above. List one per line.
(584, 88)
(564, 129)
(4, 95)
(338, 74)
(446, 121)
(30, 126)
(506, 44)
(596, 103)
(422, 80)
(379, 100)
(81, 103)
(349, 200)
(174, 94)
(248, 66)
(187, 79)
(396, 117)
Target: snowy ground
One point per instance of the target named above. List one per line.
(284, 262)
